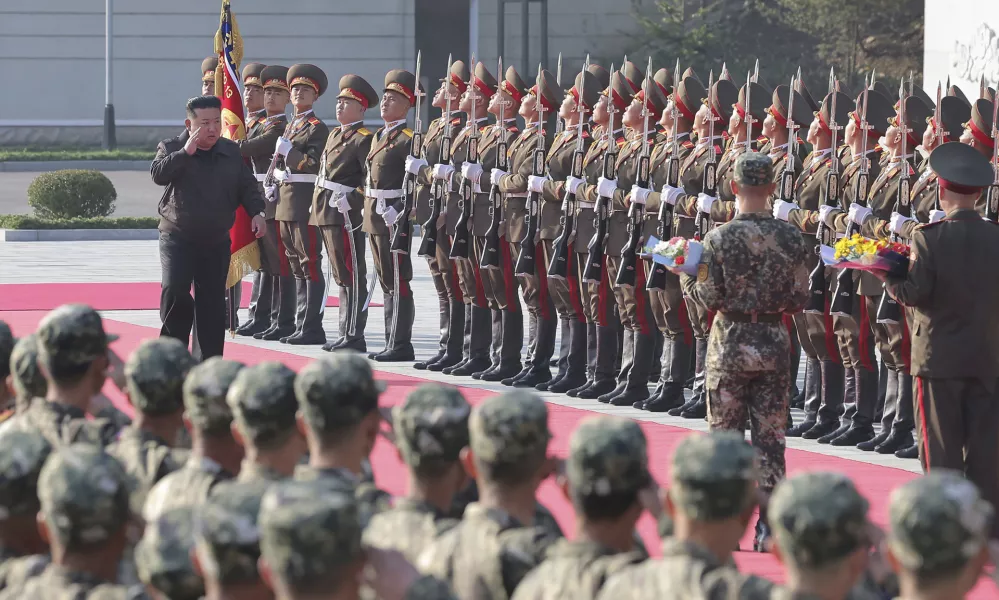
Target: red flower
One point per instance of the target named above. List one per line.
(679, 260)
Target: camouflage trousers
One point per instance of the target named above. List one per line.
(761, 397)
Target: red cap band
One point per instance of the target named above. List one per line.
(458, 83)
(980, 135)
(401, 89)
(684, 110)
(349, 93)
(483, 87)
(777, 116)
(957, 188)
(305, 81)
(512, 91)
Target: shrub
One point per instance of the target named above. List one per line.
(72, 194)
(32, 222)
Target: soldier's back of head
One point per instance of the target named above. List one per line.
(713, 477)
(71, 339)
(262, 401)
(23, 453)
(28, 379)
(335, 395)
(155, 374)
(163, 556)
(508, 436)
(227, 534)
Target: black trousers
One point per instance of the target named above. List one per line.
(205, 265)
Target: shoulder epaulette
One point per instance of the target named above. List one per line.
(408, 132)
(456, 121)
(763, 139)
(513, 129)
(314, 120)
(586, 134)
(364, 131)
(621, 142)
(687, 144)
(928, 225)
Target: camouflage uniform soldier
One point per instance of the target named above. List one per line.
(310, 542)
(712, 496)
(163, 556)
(7, 342)
(508, 442)
(431, 428)
(606, 472)
(216, 455)
(751, 272)
(21, 547)
(83, 494)
(939, 528)
(227, 541)
(155, 375)
(73, 353)
(338, 401)
(27, 379)
(262, 400)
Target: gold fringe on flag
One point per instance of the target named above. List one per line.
(244, 261)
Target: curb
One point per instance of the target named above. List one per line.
(57, 165)
(77, 235)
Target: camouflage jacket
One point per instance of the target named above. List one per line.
(15, 570)
(370, 498)
(146, 459)
(487, 555)
(62, 424)
(409, 527)
(686, 570)
(753, 263)
(575, 570)
(543, 517)
(189, 485)
(59, 583)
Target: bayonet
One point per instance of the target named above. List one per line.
(709, 177)
(889, 310)
(559, 123)
(628, 270)
(938, 123)
(748, 109)
(402, 238)
(756, 72)
(992, 206)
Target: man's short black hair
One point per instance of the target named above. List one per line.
(201, 102)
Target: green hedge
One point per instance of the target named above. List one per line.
(32, 222)
(72, 194)
(55, 154)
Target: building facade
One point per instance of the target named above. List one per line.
(962, 42)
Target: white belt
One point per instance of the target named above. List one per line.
(260, 176)
(516, 195)
(381, 196)
(299, 178)
(336, 188)
(587, 205)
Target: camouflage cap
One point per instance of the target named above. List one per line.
(24, 454)
(205, 392)
(431, 425)
(7, 342)
(308, 530)
(84, 495)
(608, 455)
(163, 556)
(29, 382)
(818, 518)
(72, 336)
(713, 475)
(754, 169)
(226, 531)
(337, 391)
(509, 427)
(154, 375)
(262, 400)
(937, 522)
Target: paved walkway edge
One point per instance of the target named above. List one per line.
(77, 235)
(15, 166)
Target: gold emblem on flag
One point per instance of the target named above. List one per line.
(232, 125)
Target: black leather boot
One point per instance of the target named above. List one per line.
(466, 340)
(343, 317)
(453, 346)
(565, 341)
(910, 452)
(444, 316)
(864, 387)
(575, 373)
(312, 332)
(591, 360)
(637, 384)
(603, 370)
(700, 358)
(544, 347)
(402, 336)
(478, 348)
(532, 340)
(260, 305)
(657, 355)
(283, 315)
(496, 316)
(301, 304)
(512, 343)
(627, 361)
(676, 365)
(813, 396)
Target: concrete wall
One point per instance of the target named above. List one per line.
(54, 49)
(962, 41)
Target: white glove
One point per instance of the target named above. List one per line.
(572, 184)
(783, 209)
(495, 176)
(340, 204)
(270, 192)
(536, 184)
(937, 215)
(390, 215)
(858, 214)
(825, 211)
(471, 171)
(606, 187)
(671, 194)
(413, 165)
(283, 146)
(897, 221)
(704, 203)
(443, 171)
(639, 194)
(280, 175)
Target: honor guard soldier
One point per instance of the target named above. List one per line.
(633, 306)
(498, 281)
(668, 306)
(451, 307)
(464, 207)
(336, 208)
(977, 131)
(751, 285)
(273, 281)
(296, 166)
(253, 93)
(715, 110)
(386, 164)
(598, 303)
(953, 113)
(952, 292)
(824, 409)
(574, 141)
(208, 67)
(544, 97)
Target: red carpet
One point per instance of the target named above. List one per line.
(875, 482)
(102, 296)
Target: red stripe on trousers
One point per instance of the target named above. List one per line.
(509, 282)
(311, 233)
(455, 285)
(541, 274)
(641, 301)
(404, 291)
(832, 347)
(920, 398)
(480, 290)
(348, 250)
(789, 325)
(284, 269)
(573, 282)
(866, 332)
(602, 292)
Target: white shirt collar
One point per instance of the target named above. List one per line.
(706, 141)
(303, 115)
(818, 154)
(392, 125)
(346, 125)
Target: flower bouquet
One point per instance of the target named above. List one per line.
(678, 253)
(858, 252)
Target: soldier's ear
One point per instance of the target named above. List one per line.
(300, 423)
(667, 501)
(771, 189)
(734, 186)
(196, 563)
(43, 528)
(468, 461)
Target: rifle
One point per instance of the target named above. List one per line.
(627, 274)
(817, 284)
(594, 270)
(559, 267)
(402, 241)
(461, 246)
(940, 135)
(888, 310)
(491, 250)
(525, 262)
(559, 123)
(428, 247)
(786, 191)
(843, 295)
(657, 278)
(709, 179)
(992, 207)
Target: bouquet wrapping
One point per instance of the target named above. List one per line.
(678, 253)
(863, 254)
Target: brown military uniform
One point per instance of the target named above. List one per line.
(302, 242)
